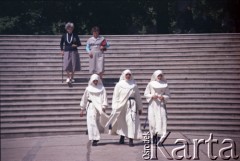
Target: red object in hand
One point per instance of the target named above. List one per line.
(104, 44)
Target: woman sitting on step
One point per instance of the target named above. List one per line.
(157, 95)
(94, 100)
(126, 106)
(71, 57)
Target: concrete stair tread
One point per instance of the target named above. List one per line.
(74, 106)
(83, 124)
(116, 42)
(59, 68)
(110, 92)
(142, 84)
(124, 59)
(123, 46)
(76, 117)
(83, 129)
(77, 101)
(54, 54)
(170, 112)
(76, 97)
(144, 50)
(137, 77)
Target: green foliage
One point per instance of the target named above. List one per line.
(119, 17)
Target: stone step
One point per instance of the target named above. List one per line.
(180, 86)
(114, 70)
(138, 79)
(116, 42)
(65, 130)
(170, 77)
(77, 107)
(85, 75)
(123, 47)
(122, 42)
(63, 101)
(76, 110)
(123, 59)
(76, 97)
(148, 36)
(109, 90)
(129, 50)
(75, 117)
(57, 73)
(70, 105)
(120, 63)
(81, 124)
(50, 54)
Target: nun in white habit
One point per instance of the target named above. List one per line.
(94, 100)
(157, 95)
(126, 106)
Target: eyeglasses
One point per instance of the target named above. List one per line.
(128, 74)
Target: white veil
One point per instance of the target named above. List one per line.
(156, 83)
(95, 88)
(126, 83)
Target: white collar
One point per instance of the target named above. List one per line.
(95, 89)
(127, 84)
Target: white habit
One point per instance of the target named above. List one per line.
(126, 103)
(94, 100)
(157, 114)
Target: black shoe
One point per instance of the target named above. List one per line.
(95, 142)
(154, 139)
(158, 139)
(131, 143)
(121, 141)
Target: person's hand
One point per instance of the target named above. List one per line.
(161, 98)
(103, 48)
(81, 113)
(90, 55)
(140, 112)
(74, 45)
(155, 97)
(62, 53)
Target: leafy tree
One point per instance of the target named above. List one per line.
(120, 17)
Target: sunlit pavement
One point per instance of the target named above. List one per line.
(78, 148)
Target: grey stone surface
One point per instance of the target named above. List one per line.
(78, 148)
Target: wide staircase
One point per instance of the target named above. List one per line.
(203, 72)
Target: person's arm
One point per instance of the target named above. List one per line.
(88, 48)
(148, 93)
(115, 97)
(138, 100)
(84, 100)
(108, 45)
(105, 102)
(166, 95)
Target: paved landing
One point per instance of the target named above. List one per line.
(78, 148)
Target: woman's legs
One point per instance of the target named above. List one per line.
(68, 77)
